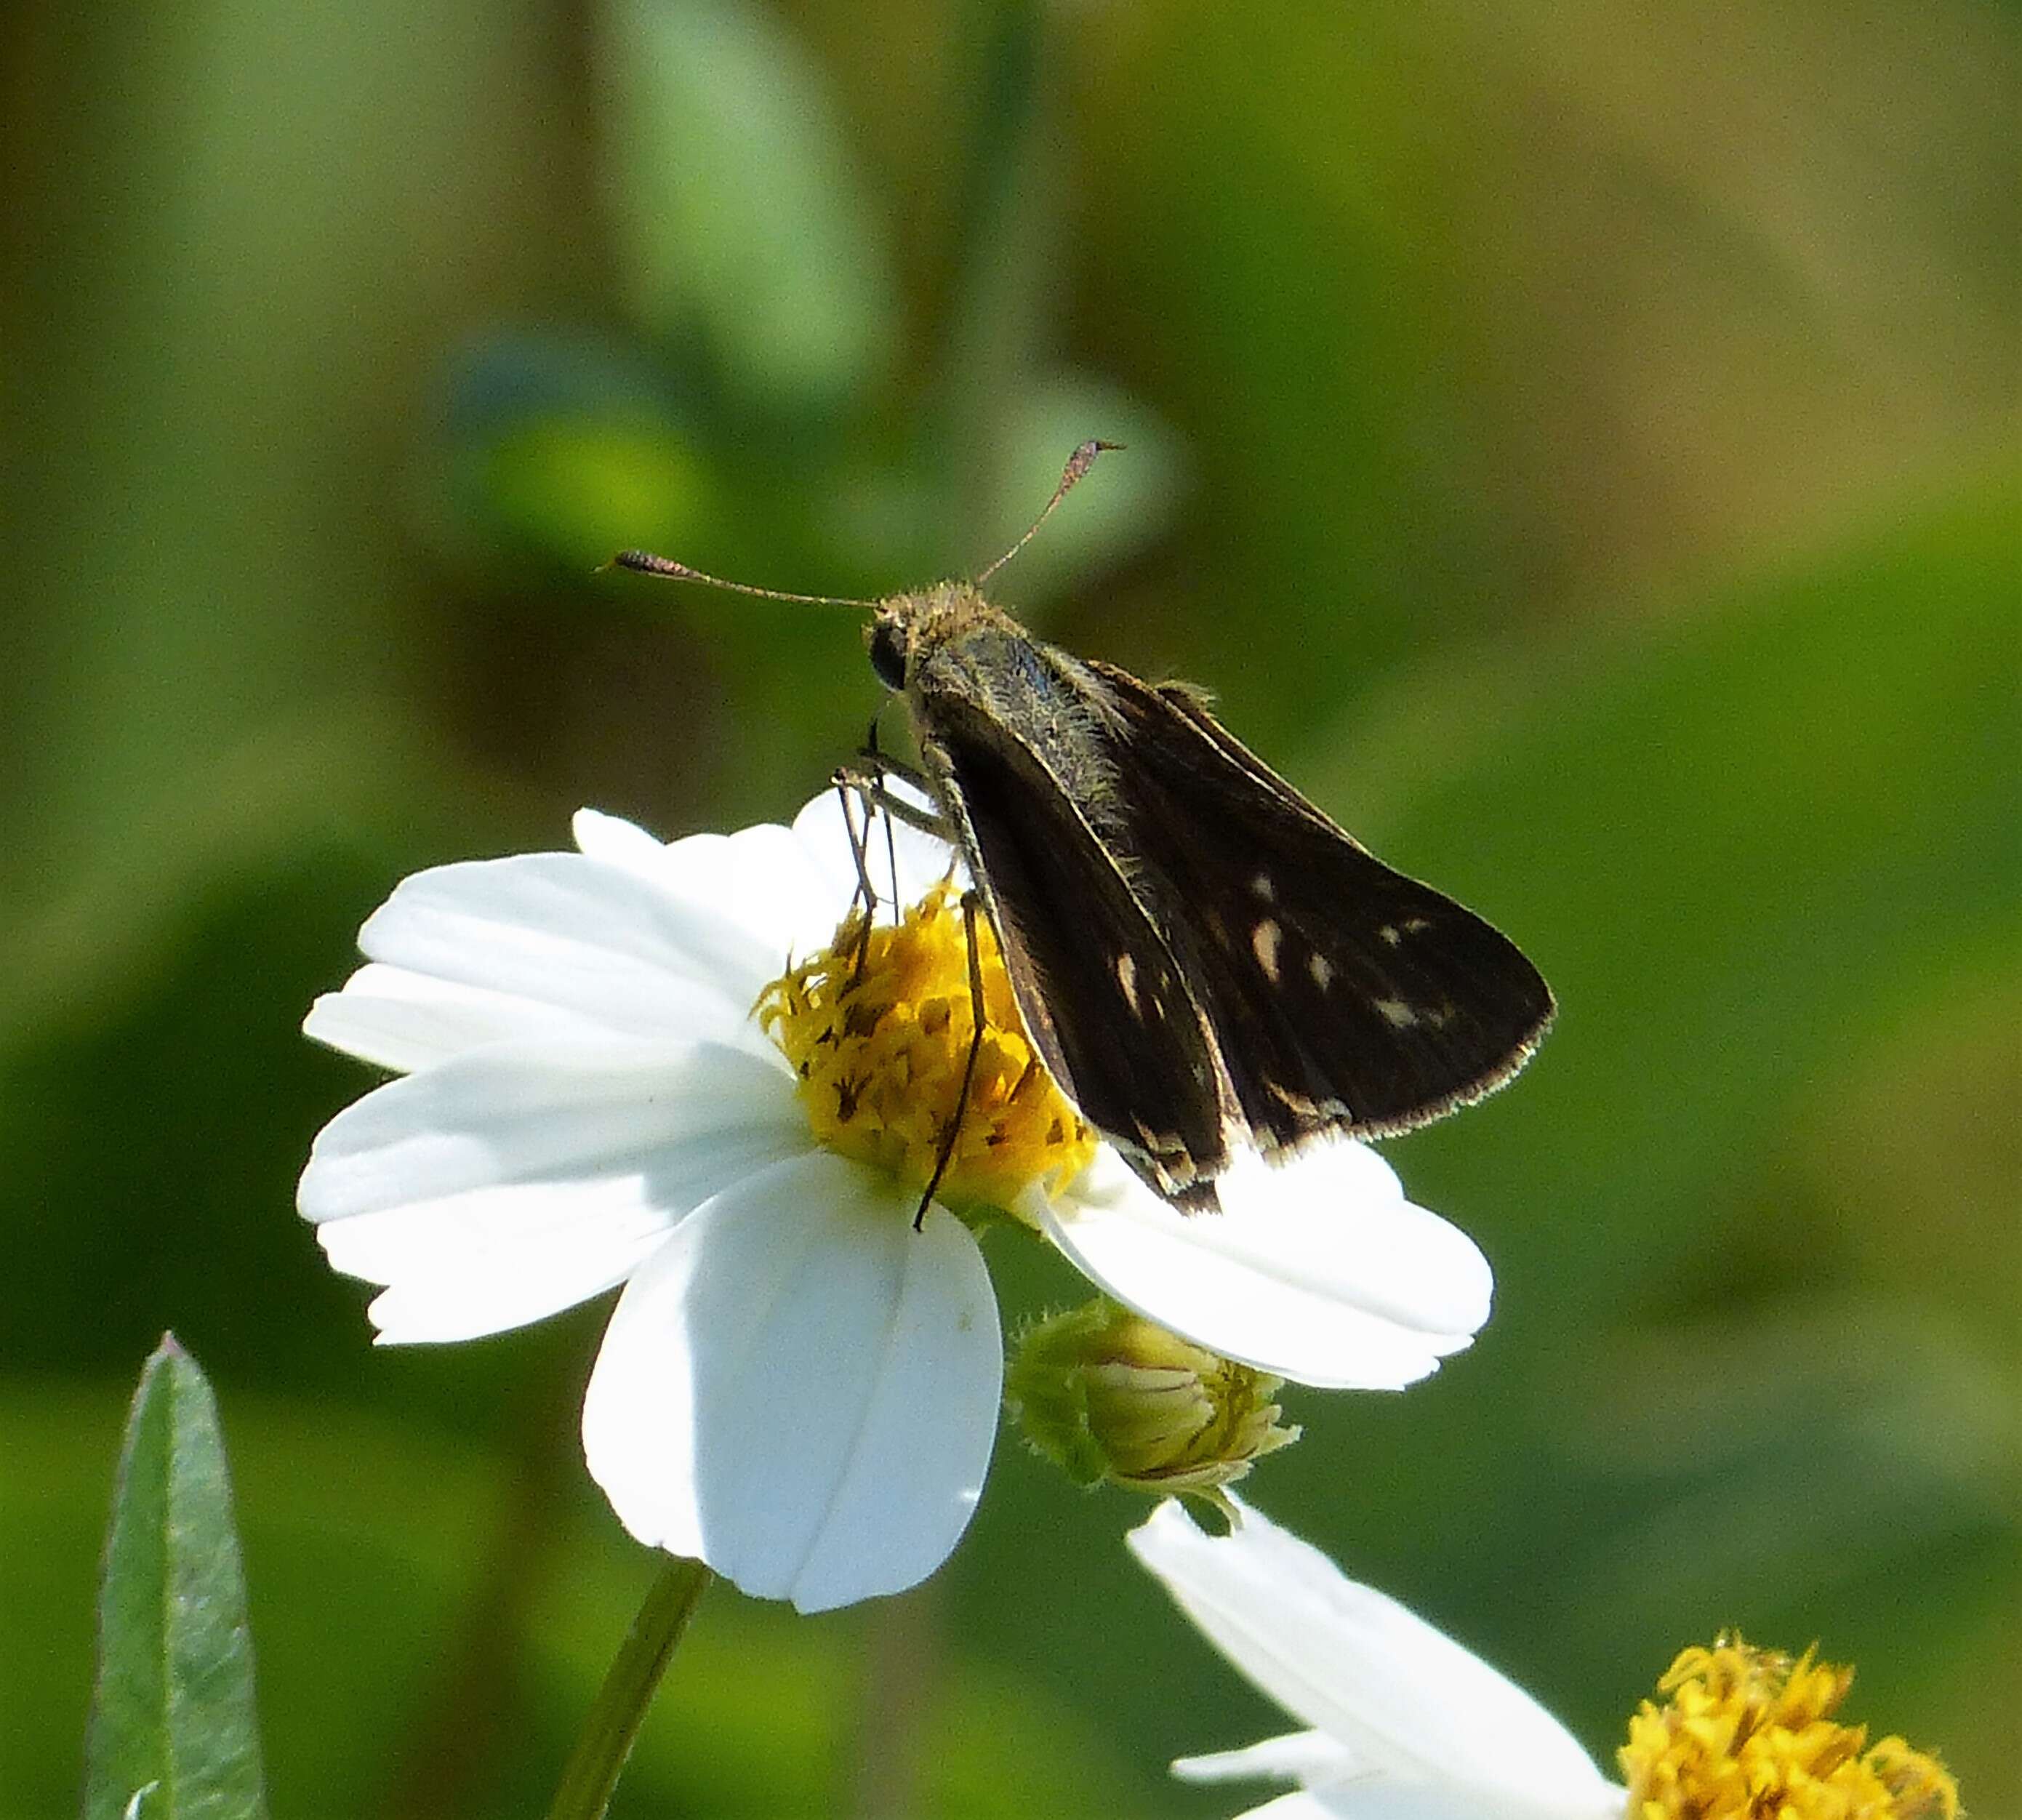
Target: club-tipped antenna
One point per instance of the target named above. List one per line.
(644, 562)
(1079, 463)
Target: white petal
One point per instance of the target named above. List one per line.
(1320, 1271)
(502, 1186)
(1298, 1805)
(799, 1389)
(922, 860)
(588, 936)
(1384, 1798)
(1392, 1689)
(1334, 1788)
(793, 885)
(497, 1257)
(617, 842)
(764, 879)
(1308, 1757)
(546, 1112)
(404, 1020)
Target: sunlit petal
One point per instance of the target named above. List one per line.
(1310, 1757)
(550, 1112)
(404, 1020)
(1414, 1705)
(1320, 1272)
(583, 935)
(617, 842)
(1386, 1799)
(799, 1389)
(501, 1187)
(921, 860)
(497, 1257)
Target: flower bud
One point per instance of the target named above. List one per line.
(1106, 1394)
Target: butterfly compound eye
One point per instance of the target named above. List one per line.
(888, 652)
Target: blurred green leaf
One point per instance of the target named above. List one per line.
(577, 491)
(566, 449)
(738, 210)
(172, 1735)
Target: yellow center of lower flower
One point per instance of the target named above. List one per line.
(1748, 1734)
(877, 1027)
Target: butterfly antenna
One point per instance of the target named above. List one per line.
(1079, 463)
(644, 562)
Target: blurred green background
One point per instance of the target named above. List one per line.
(1576, 441)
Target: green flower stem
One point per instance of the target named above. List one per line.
(619, 1709)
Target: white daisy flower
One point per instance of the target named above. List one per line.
(615, 1073)
(1407, 1725)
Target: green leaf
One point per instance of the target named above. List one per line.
(574, 490)
(566, 447)
(172, 1734)
(738, 209)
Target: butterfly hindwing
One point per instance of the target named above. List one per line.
(1343, 996)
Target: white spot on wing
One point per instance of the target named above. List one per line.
(1127, 978)
(1322, 970)
(1293, 1100)
(1264, 890)
(1264, 943)
(1400, 1015)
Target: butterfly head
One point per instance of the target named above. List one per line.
(906, 629)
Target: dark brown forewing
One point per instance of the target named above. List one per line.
(1344, 996)
(1098, 986)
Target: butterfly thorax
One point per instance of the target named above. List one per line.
(970, 666)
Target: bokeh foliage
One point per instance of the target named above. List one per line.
(1575, 441)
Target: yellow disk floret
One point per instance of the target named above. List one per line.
(1749, 1734)
(877, 1027)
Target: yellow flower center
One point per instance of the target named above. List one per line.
(1749, 1734)
(878, 1026)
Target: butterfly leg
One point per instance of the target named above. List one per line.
(882, 764)
(869, 785)
(877, 759)
(850, 789)
(879, 766)
(969, 905)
